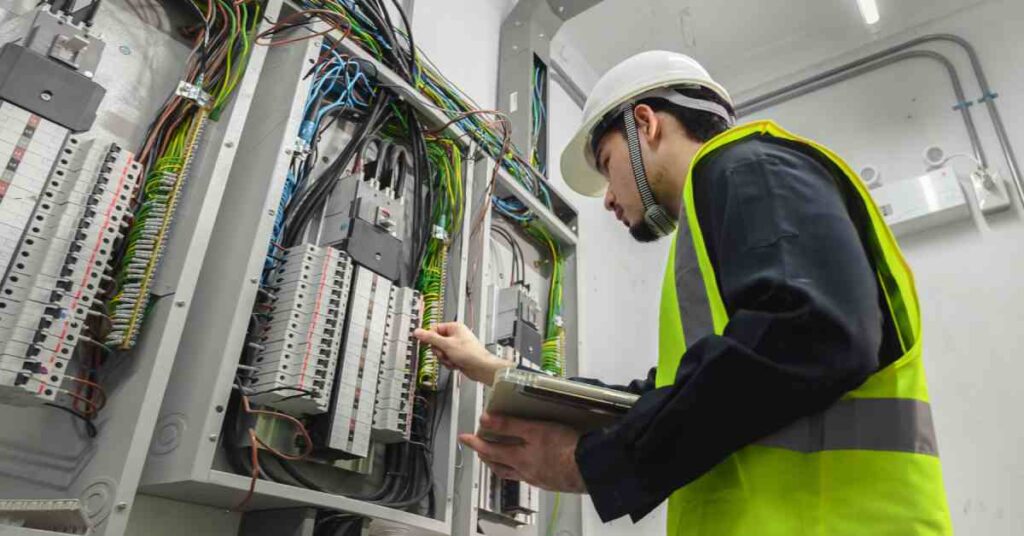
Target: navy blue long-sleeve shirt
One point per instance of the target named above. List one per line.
(784, 235)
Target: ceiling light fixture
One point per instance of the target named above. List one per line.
(869, 10)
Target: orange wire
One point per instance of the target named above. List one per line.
(255, 443)
(92, 411)
(255, 474)
(103, 401)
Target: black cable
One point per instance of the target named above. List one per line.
(311, 197)
(272, 474)
(412, 42)
(60, 5)
(299, 477)
(518, 259)
(90, 428)
(90, 16)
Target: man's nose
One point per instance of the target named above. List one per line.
(609, 200)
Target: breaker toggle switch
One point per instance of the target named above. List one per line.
(384, 219)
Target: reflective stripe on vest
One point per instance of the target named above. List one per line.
(866, 465)
(885, 424)
(691, 294)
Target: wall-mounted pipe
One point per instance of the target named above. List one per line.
(570, 86)
(816, 83)
(988, 97)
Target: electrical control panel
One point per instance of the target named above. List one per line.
(211, 280)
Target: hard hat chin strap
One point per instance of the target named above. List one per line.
(658, 220)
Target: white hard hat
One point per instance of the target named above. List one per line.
(637, 76)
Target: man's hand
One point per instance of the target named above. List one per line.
(457, 348)
(545, 458)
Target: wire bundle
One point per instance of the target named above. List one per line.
(339, 86)
(538, 118)
(215, 67)
(446, 161)
(370, 26)
(553, 348)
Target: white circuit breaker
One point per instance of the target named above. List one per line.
(356, 389)
(58, 264)
(932, 199)
(392, 414)
(302, 341)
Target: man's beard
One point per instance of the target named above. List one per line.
(642, 232)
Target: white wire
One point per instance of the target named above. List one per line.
(961, 155)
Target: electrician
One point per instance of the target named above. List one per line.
(789, 396)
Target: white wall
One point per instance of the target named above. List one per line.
(461, 37)
(968, 275)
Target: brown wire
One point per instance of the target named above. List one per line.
(284, 22)
(256, 443)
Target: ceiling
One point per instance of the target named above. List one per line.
(741, 42)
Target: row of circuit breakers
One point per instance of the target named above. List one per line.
(64, 206)
(333, 323)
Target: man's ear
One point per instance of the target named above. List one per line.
(648, 124)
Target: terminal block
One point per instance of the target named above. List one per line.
(302, 341)
(396, 385)
(56, 270)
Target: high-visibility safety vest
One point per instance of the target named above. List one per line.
(867, 466)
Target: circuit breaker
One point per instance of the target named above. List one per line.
(57, 266)
(516, 325)
(301, 343)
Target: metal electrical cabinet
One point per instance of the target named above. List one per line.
(185, 458)
(557, 514)
(43, 453)
(162, 431)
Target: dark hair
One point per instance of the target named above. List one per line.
(700, 125)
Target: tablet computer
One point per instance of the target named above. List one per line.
(536, 396)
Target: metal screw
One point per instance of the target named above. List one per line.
(124, 49)
(561, 9)
(542, 36)
(515, 48)
(253, 280)
(376, 256)
(229, 144)
(212, 438)
(180, 303)
(288, 152)
(46, 96)
(88, 74)
(121, 506)
(219, 409)
(270, 212)
(518, 23)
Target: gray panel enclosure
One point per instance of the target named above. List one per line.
(42, 453)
